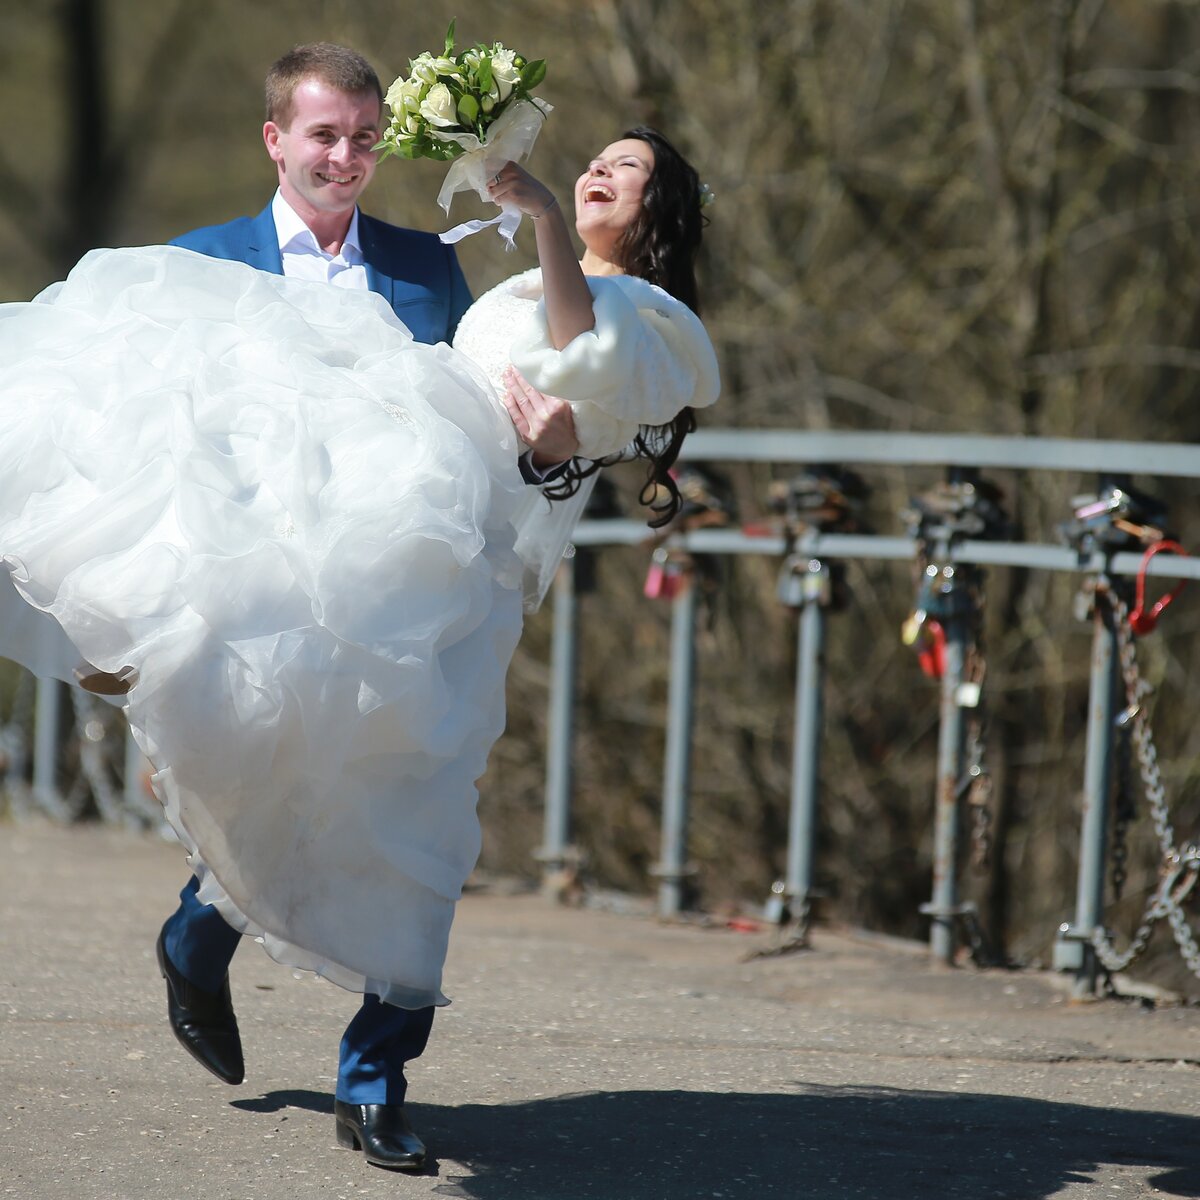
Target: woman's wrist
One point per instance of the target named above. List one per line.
(550, 204)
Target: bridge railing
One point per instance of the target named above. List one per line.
(807, 553)
(1098, 551)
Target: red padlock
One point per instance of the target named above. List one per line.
(931, 653)
(665, 577)
(1142, 621)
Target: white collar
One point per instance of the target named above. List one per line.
(295, 235)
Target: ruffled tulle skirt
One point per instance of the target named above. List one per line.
(293, 522)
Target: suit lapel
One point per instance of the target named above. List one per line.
(262, 247)
(377, 281)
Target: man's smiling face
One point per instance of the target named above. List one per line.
(324, 155)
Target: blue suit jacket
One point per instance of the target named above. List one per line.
(417, 275)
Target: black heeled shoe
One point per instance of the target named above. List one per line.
(381, 1132)
(203, 1021)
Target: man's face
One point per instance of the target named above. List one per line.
(324, 157)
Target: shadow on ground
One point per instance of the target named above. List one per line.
(823, 1142)
(273, 1102)
(829, 1143)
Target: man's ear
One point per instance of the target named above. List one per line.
(271, 133)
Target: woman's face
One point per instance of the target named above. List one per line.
(608, 195)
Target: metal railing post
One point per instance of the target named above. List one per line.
(673, 869)
(806, 744)
(966, 507)
(1074, 949)
(944, 907)
(555, 851)
(46, 721)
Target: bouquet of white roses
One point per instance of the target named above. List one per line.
(475, 107)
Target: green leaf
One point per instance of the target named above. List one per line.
(468, 109)
(485, 74)
(532, 74)
(450, 36)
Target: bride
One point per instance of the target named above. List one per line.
(292, 536)
(644, 363)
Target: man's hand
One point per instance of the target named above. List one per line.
(544, 423)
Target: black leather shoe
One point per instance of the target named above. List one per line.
(203, 1021)
(381, 1132)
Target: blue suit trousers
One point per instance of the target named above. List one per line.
(378, 1041)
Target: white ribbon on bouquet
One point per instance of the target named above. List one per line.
(509, 139)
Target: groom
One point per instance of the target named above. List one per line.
(324, 115)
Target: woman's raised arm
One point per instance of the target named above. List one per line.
(568, 300)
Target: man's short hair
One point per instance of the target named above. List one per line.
(338, 66)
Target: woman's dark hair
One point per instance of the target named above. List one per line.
(660, 247)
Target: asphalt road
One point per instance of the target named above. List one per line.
(586, 1054)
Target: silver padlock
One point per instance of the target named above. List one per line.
(790, 588)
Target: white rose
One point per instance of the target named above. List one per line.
(423, 68)
(504, 74)
(438, 106)
(447, 67)
(404, 95)
(392, 98)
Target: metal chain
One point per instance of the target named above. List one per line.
(979, 789)
(980, 800)
(1185, 939)
(1180, 868)
(982, 954)
(1124, 810)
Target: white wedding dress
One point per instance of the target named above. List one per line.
(298, 527)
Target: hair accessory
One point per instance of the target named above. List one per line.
(706, 196)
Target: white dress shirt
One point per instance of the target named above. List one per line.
(303, 258)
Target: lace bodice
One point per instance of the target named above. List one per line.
(486, 332)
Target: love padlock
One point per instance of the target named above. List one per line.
(664, 578)
(1142, 620)
(931, 652)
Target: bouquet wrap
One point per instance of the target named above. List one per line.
(475, 109)
(509, 139)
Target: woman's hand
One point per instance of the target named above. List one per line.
(514, 186)
(544, 423)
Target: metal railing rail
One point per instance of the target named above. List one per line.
(942, 450)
